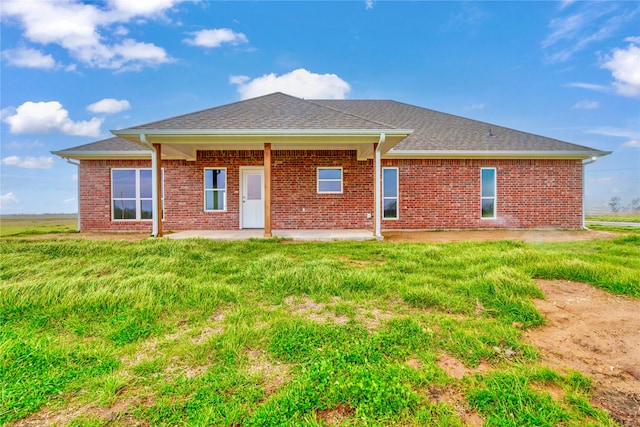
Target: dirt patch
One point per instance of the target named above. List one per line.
(315, 311)
(598, 334)
(456, 369)
(487, 235)
(120, 411)
(335, 416)
(274, 374)
(453, 398)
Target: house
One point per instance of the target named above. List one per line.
(278, 162)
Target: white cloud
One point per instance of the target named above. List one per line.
(7, 200)
(48, 117)
(585, 104)
(28, 162)
(28, 58)
(74, 177)
(22, 145)
(87, 30)
(624, 65)
(590, 86)
(591, 22)
(477, 107)
(368, 4)
(300, 82)
(216, 37)
(128, 8)
(632, 136)
(109, 106)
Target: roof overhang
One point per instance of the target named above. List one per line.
(184, 144)
(103, 155)
(493, 154)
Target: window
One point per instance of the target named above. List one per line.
(390, 193)
(488, 192)
(330, 180)
(215, 189)
(131, 194)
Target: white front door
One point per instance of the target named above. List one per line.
(252, 198)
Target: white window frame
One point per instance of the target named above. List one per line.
(396, 197)
(318, 180)
(213, 190)
(495, 194)
(137, 198)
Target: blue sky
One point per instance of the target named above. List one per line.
(73, 70)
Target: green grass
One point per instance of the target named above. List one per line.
(265, 332)
(622, 217)
(30, 225)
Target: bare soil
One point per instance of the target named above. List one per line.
(598, 334)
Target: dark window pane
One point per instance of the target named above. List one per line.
(329, 186)
(329, 174)
(146, 209)
(488, 182)
(145, 184)
(390, 182)
(214, 200)
(488, 210)
(215, 179)
(124, 209)
(391, 208)
(123, 183)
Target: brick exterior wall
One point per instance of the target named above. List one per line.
(445, 194)
(433, 193)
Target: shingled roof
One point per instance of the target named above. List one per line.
(430, 132)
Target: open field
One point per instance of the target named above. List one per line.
(197, 332)
(29, 225)
(619, 217)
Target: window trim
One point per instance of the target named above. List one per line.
(397, 196)
(213, 190)
(495, 194)
(319, 180)
(137, 198)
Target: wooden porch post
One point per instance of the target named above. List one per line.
(158, 184)
(267, 189)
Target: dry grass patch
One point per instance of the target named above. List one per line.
(275, 374)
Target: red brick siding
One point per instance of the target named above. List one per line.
(434, 194)
(296, 203)
(445, 194)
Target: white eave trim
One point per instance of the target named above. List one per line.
(492, 154)
(260, 132)
(103, 155)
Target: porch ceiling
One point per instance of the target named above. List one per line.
(184, 145)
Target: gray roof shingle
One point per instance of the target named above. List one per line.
(275, 111)
(436, 131)
(433, 131)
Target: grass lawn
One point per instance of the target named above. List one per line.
(269, 332)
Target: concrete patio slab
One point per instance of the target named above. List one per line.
(311, 235)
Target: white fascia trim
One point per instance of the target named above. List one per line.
(488, 154)
(100, 155)
(258, 132)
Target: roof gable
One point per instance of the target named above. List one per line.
(275, 111)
